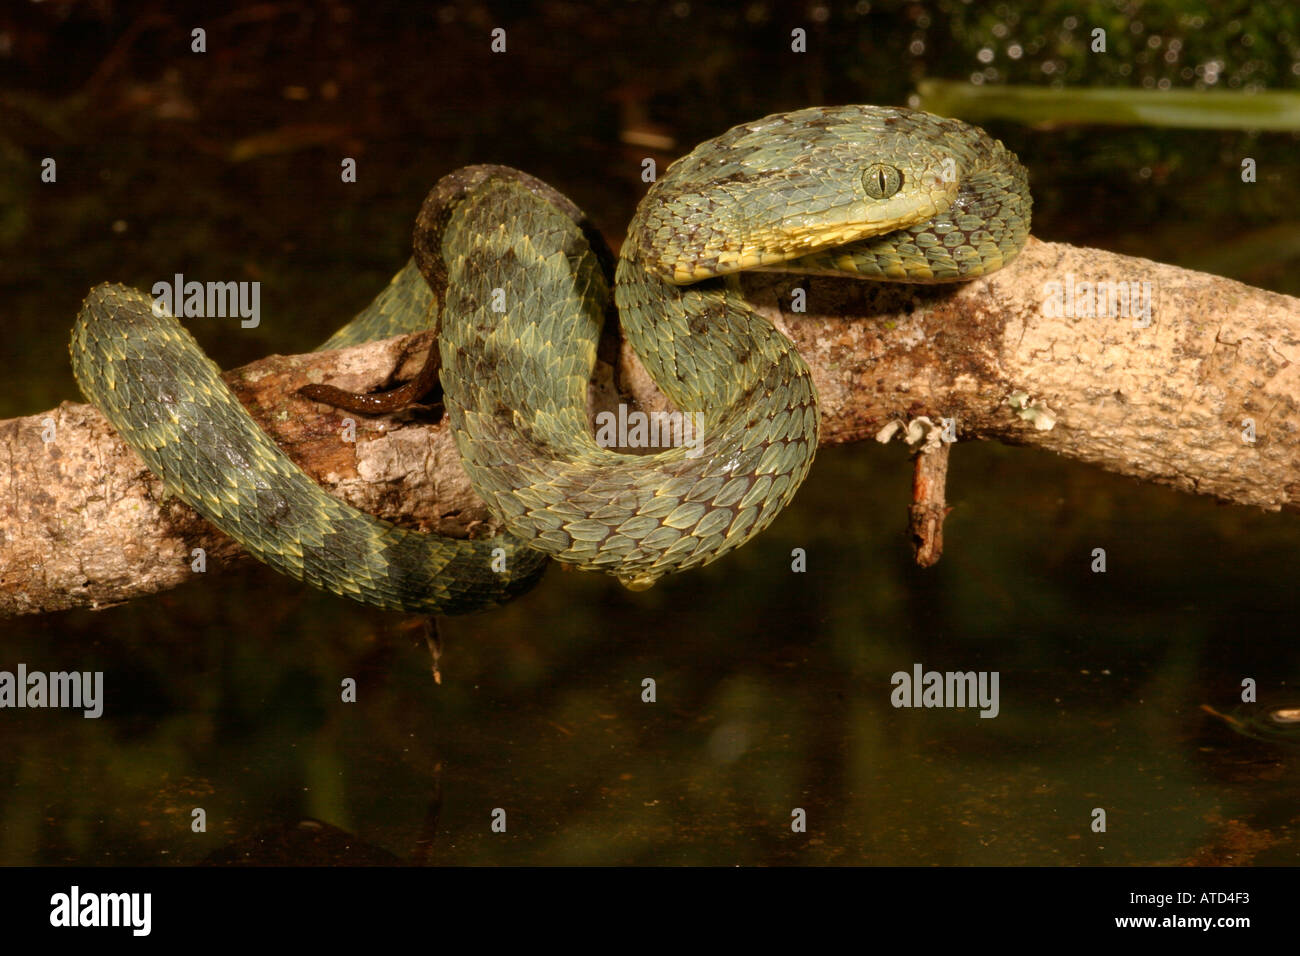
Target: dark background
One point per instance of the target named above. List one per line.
(773, 688)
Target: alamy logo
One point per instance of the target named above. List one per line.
(76, 690)
(212, 300)
(75, 908)
(948, 689)
(634, 429)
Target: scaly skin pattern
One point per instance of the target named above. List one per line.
(517, 282)
(786, 193)
(528, 299)
(168, 402)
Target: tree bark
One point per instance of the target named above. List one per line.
(1200, 394)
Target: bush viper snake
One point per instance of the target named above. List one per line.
(517, 281)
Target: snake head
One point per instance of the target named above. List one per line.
(768, 192)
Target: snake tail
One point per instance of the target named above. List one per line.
(166, 399)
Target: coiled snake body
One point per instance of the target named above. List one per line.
(519, 282)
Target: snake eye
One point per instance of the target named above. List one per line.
(881, 181)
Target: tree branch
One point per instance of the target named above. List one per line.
(1172, 397)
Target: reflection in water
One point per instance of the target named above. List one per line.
(1276, 724)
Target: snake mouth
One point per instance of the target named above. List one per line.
(789, 246)
(799, 233)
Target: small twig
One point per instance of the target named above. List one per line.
(423, 629)
(433, 641)
(929, 502)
